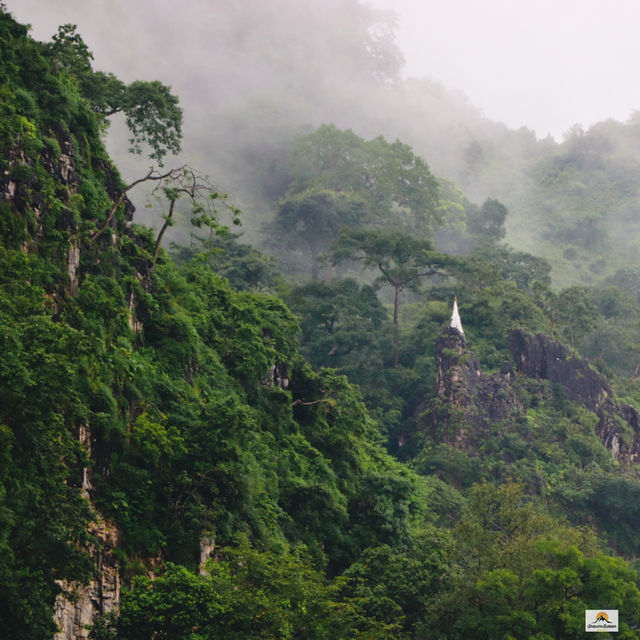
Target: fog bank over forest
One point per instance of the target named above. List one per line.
(206, 440)
(251, 80)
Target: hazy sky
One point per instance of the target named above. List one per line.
(543, 64)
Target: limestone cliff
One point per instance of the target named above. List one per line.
(471, 403)
(540, 357)
(78, 604)
(44, 189)
(46, 210)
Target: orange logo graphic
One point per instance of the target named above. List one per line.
(602, 617)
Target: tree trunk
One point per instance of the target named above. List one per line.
(634, 375)
(396, 349)
(165, 226)
(314, 261)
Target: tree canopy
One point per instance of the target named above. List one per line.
(172, 399)
(314, 217)
(402, 259)
(396, 184)
(151, 111)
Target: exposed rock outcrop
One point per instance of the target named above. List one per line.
(470, 403)
(277, 376)
(73, 263)
(79, 604)
(207, 547)
(540, 357)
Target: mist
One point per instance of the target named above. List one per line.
(251, 79)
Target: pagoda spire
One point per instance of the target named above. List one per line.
(455, 317)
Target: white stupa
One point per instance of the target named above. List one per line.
(455, 317)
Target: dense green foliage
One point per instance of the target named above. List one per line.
(338, 180)
(42, 515)
(151, 111)
(190, 434)
(206, 422)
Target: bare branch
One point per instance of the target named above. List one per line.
(203, 196)
(309, 404)
(151, 175)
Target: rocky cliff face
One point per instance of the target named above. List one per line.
(540, 357)
(78, 605)
(22, 184)
(42, 191)
(470, 403)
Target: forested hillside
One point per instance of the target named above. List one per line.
(205, 441)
